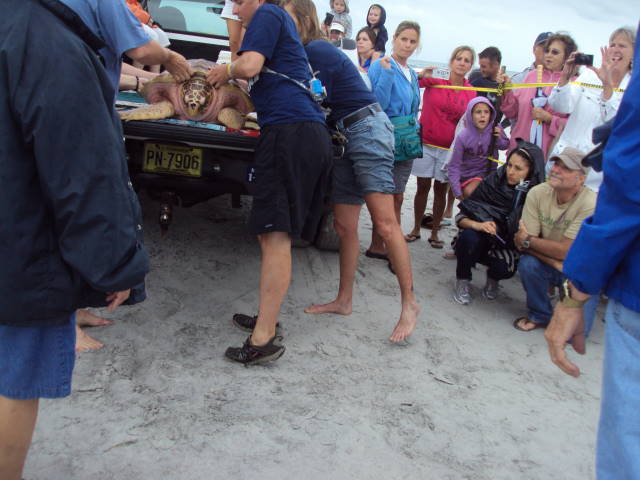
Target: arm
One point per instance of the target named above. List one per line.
(549, 248)
(247, 66)
(486, 227)
(382, 79)
(152, 54)
(564, 97)
(503, 140)
(453, 170)
(94, 211)
(557, 264)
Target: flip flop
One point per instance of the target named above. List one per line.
(526, 320)
(427, 221)
(379, 256)
(450, 255)
(436, 243)
(411, 237)
(446, 222)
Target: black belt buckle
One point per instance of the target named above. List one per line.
(360, 114)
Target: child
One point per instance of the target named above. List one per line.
(376, 16)
(340, 12)
(469, 163)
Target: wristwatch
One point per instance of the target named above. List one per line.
(527, 242)
(567, 301)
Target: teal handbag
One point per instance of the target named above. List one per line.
(408, 144)
(406, 132)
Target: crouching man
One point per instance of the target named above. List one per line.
(70, 233)
(552, 215)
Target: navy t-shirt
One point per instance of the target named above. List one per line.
(273, 34)
(346, 91)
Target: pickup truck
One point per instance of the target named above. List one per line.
(183, 163)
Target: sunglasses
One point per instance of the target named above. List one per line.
(552, 51)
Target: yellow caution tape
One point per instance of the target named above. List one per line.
(499, 162)
(518, 86)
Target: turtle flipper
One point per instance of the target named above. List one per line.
(230, 117)
(152, 111)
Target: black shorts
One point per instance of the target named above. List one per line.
(292, 172)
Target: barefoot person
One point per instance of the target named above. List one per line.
(363, 174)
(70, 230)
(395, 85)
(292, 158)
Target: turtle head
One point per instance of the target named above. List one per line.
(197, 94)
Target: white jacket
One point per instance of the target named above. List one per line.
(587, 110)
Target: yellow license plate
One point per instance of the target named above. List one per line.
(172, 159)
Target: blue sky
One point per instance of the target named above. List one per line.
(510, 27)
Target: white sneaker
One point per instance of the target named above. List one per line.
(490, 290)
(461, 293)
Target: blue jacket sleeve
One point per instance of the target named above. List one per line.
(382, 83)
(606, 238)
(82, 171)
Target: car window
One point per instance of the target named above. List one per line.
(189, 16)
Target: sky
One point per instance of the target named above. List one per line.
(510, 26)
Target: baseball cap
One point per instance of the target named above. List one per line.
(337, 26)
(572, 158)
(542, 37)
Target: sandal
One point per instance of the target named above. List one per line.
(427, 221)
(378, 256)
(411, 237)
(436, 243)
(536, 325)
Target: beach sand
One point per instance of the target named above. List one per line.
(468, 398)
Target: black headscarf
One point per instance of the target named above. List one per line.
(495, 200)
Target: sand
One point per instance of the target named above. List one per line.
(468, 398)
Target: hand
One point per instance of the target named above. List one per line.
(385, 62)
(496, 131)
(116, 299)
(427, 72)
(569, 69)
(542, 115)
(503, 78)
(178, 66)
(218, 76)
(521, 235)
(566, 324)
(487, 227)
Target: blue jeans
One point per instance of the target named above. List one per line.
(536, 278)
(618, 451)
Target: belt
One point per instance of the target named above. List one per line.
(360, 114)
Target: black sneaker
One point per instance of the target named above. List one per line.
(246, 322)
(249, 354)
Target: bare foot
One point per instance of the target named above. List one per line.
(84, 342)
(333, 307)
(84, 318)
(406, 324)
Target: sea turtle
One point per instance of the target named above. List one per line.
(195, 99)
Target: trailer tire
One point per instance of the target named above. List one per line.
(327, 238)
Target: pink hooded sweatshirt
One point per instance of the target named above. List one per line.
(517, 104)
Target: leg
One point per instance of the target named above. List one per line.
(439, 200)
(448, 212)
(618, 446)
(420, 203)
(471, 245)
(346, 224)
(466, 192)
(17, 421)
(384, 212)
(536, 278)
(377, 242)
(275, 275)
(84, 318)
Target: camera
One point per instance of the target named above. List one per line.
(583, 59)
(328, 19)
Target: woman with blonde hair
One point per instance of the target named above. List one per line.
(442, 108)
(365, 172)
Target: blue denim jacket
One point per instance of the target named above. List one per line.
(606, 253)
(70, 222)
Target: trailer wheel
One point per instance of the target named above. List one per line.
(327, 237)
